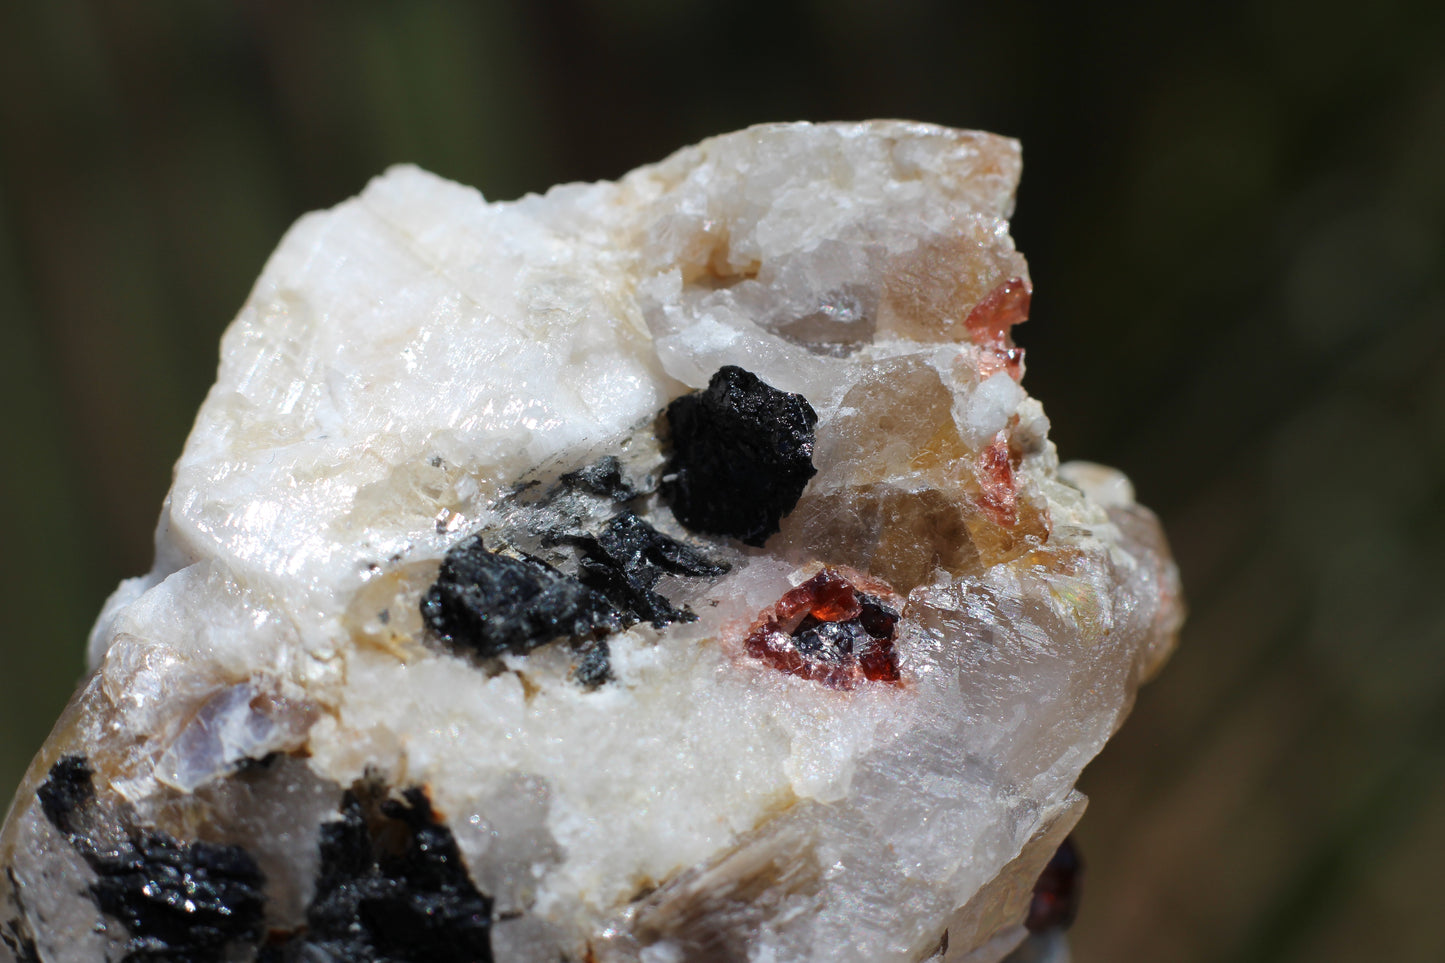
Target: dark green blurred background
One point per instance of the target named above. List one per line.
(1235, 215)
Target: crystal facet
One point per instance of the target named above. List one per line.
(669, 569)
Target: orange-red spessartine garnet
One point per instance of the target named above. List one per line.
(989, 322)
(828, 630)
(1000, 495)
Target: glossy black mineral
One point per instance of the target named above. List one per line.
(392, 888)
(180, 902)
(625, 562)
(602, 478)
(488, 603)
(742, 453)
(491, 603)
(66, 794)
(595, 667)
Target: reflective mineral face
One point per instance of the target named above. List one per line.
(665, 570)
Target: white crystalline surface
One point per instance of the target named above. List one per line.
(417, 366)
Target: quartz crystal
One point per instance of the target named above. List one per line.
(664, 570)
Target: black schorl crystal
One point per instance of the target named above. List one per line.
(66, 792)
(742, 452)
(595, 667)
(491, 603)
(180, 902)
(602, 478)
(838, 642)
(833, 642)
(392, 888)
(625, 562)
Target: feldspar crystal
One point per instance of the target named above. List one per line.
(663, 570)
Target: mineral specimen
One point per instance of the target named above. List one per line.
(663, 570)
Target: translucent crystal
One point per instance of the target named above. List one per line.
(668, 569)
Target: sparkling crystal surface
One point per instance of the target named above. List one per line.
(668, 569)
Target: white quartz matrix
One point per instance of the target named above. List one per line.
(417, 366)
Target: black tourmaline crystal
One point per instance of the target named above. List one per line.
(180, 902)
(602, 478)
(742, 453)
(491, 603)
(392, 888)
(66, 793)
(625, 562)
(595, 667)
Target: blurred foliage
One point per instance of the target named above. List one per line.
(1235, 215)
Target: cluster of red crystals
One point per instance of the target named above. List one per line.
(828, 631)
(989, 322)
(1000, 495)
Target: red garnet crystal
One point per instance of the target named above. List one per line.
(1000, 495)
(829, 631)
(989, 322)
